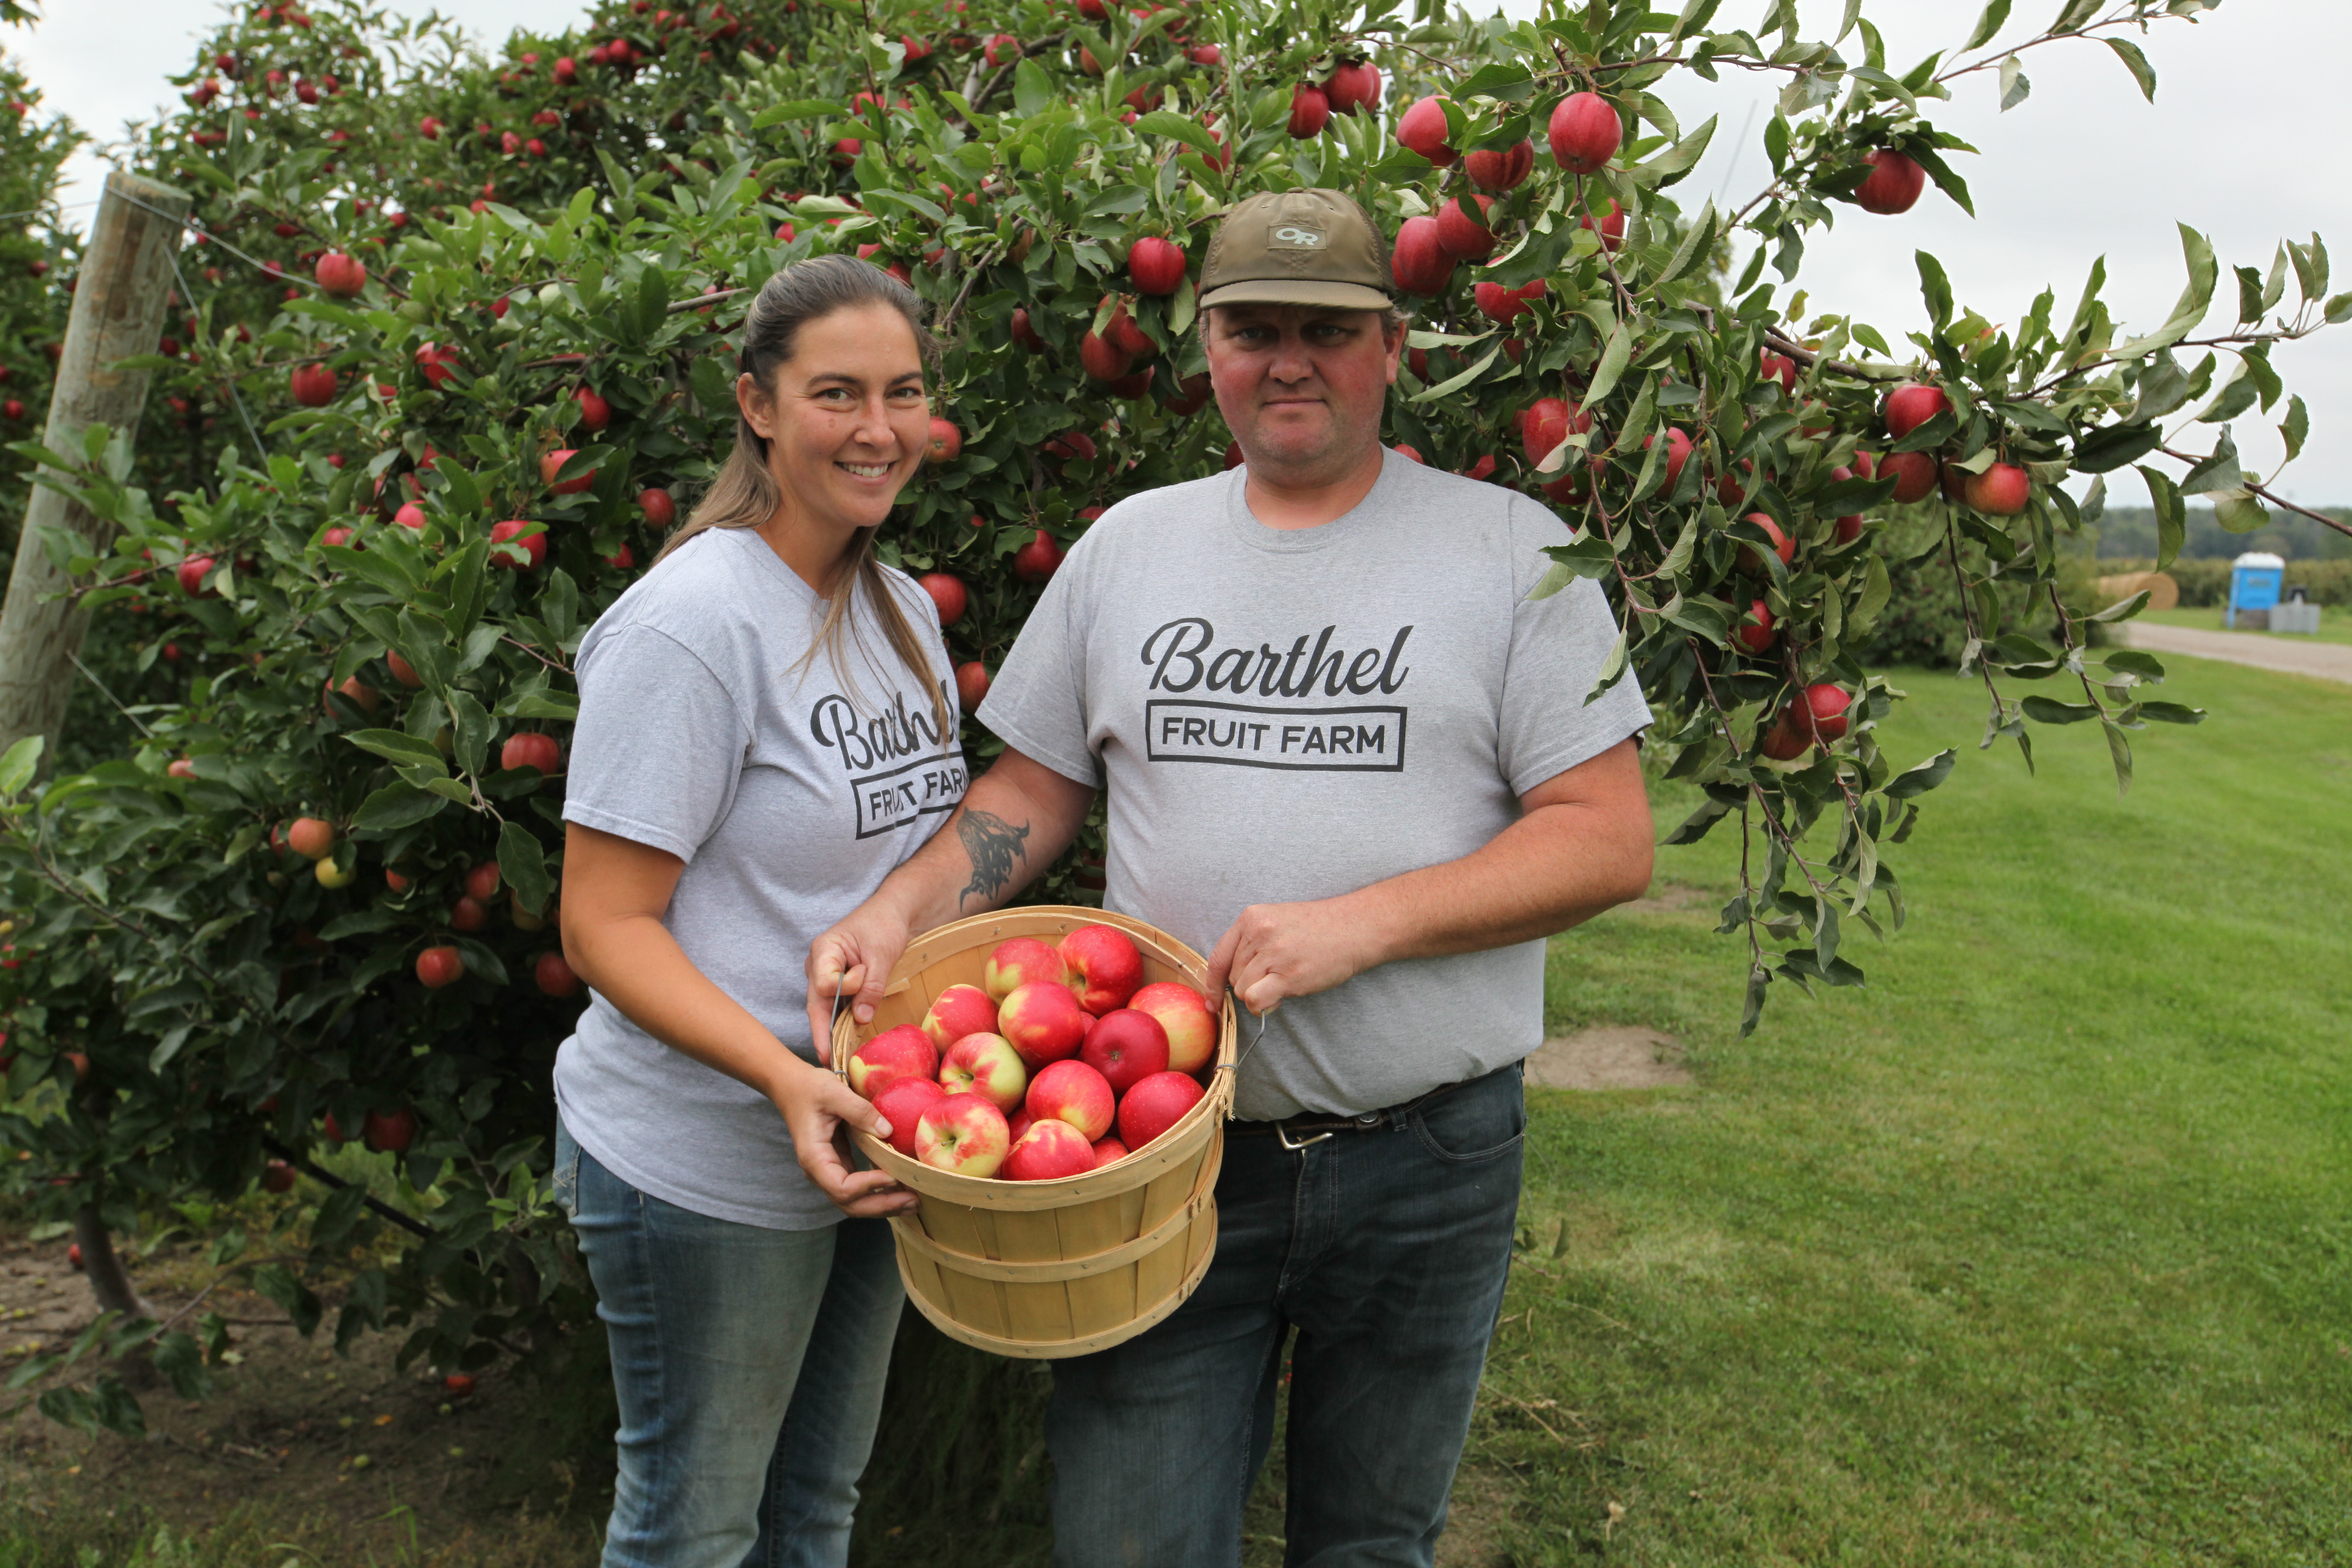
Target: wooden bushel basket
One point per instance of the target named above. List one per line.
(1075, 1265)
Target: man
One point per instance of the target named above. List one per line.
(1348, 757)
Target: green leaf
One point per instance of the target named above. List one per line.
(16, 769)
(359, 923)
(523, 863)
(1919, 780)
(1613, 366)
(1875, 590)
(1987, 24)
(1184, 128)
(2049, 710)
(1446, 388)
(2014, 86)
(2297, 428)
(1032, 89)
(2112, 447)
(1935, 289)
(1498, 80)
(2136, 63)
(2239, 512)
(396, 805)
(393, 746)
(472, 724)
(2172, 713)
(2196, 299)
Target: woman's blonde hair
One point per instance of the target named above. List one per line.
(744, 495)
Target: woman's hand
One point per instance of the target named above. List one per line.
(854, 958)
(816, 1107)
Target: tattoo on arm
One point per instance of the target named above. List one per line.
(993, 845)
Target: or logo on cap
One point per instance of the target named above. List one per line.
(1291, 237)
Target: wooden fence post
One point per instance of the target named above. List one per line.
(118, 307)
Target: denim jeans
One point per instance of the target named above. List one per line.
(1386, 1252)
(750, 1365)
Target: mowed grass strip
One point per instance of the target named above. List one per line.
(2038, 1250)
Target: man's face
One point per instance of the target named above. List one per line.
(1302, 387)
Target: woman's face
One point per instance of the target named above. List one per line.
(848, 421)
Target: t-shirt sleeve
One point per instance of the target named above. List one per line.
(1558, 646)
(659, 745)
(1037, 703)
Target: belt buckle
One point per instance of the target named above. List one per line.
(1282, 1131)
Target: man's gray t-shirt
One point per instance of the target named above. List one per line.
(1284, 715)
(790, 790)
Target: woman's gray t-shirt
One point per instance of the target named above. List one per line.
(1290, 715)
(790, 789)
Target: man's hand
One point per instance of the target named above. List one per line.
(1274, 951)
(852, 959)
(816, 1106)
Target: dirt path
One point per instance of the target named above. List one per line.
(2292, 656)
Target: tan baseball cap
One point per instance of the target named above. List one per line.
(1297, 248)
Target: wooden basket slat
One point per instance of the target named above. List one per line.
(1008, 1294)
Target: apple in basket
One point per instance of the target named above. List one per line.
(963, 1133)
(1048, 1149)
(1075, 1093)
(1023, 960)
(901, 1104)
(1184, 1014)
(1019, 1122)
(987, 1066)
(1155, 1105)
(1044, 1022)
(1109, 1150)
(958, 1011)
(889, 1057)
(1126, 1047)
(1105, 968)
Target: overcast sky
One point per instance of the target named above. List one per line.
(2242, 143)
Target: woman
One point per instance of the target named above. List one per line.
(767, 727)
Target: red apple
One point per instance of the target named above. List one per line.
(1157, 264)
(534, 547)
(1353, 86)
(1465, 238)
(1423, 128)
(1184, 1014)
(1678, 451)
(1497, 303)
(1548, 422)
(1824, 711)
(1500, 168)
(963, 1133)
(529, 750)
(1026, 337)
(1779, 368)
(902, 1104)
(1155, 1105)
(1585, 133)
(1755, 631)
(551, 463)
(659, 510)
(948, 592)
(893, 1054)
(1914, 473)
(958, 1011)
(1419, 261)
(1126, 1047)
(340, 275)
(190, 575)
(278, 1177)
(439, 966)
(1910, 406)
(594, 411)
(1023, 960)
(1310, 110)
(2002, 491)
(410, 516)
(1751, 560)
(1108, 1152)
(468, 914)
(389, 1131)
(1895, 182)
(946, 443)
(988, 1066)
(1786, 740)
(311, 837)
(482, 881)
(1101, 359)
(439, 361)
(1038, 561)
(313, 385)
(1044, 1022)
(1104, 967)
(1074, 1092)
(1019, 1122)
(1047, 1150)
(971, 684)
(554, 977)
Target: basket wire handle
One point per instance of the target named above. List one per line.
(1236, 1069)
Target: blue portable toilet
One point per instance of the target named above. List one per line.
(2255, 579)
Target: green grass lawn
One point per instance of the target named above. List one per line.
(2038, 1250)
(2335, 625)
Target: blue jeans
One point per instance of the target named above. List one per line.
(1387, 1252)
(750, 1365)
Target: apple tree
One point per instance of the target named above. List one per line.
(456, 351)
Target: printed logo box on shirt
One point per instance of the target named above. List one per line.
(1321, 739)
